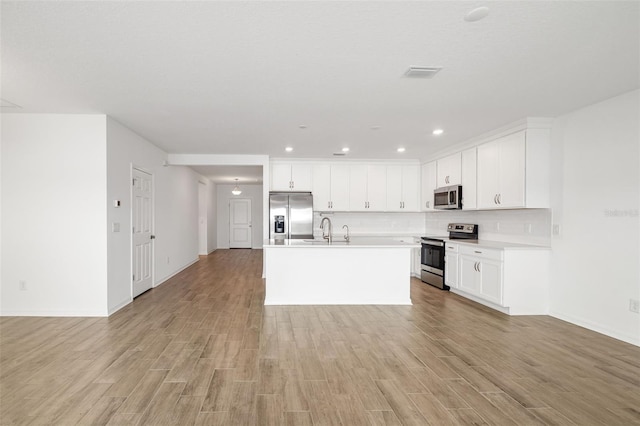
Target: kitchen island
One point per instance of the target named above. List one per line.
(363, 271)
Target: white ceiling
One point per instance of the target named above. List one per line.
(241, 77)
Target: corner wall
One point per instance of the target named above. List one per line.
(54, 182)
(175, 211)
(595, 200)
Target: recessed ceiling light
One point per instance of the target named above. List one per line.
(345, 149)
(476, 14)
(289, 149)
(438, 132)
(401, 149)
(303, 126)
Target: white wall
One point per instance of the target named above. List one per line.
(595, 200)
(176, 221)
(212, 213)
(54, 183)
(253, 192)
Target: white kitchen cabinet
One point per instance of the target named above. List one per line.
(451, 265)
(513, 280)
(481, 273)
(501, 172)
(468, 179)
(330, 187)
(291, 177)
(449, 170)
(367, 187)
(402, 188)
(427, 185)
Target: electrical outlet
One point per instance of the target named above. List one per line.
(556, 230)
(634, 305)
(22, 285)
(529, 228)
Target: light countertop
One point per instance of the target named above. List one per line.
(354, 242)
(498, 245)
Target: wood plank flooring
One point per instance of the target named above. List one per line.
(202, 349)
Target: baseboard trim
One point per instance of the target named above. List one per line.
(589, 325)
(119, 306)
(168, 277)
(88, 314)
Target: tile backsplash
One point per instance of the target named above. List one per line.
(372, 224)
(526, 226)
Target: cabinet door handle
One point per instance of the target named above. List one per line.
(479, 267)
(476, 251)
(475, 264)
(499, 198)
(495, 199)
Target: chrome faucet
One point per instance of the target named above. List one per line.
(346, 236)
(326, 237)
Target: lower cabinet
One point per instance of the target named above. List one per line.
(451, 265)
(514, 281)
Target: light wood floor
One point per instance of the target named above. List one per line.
(202, 349)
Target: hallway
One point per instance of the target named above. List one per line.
(202, 349)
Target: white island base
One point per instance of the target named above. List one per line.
(340, 274)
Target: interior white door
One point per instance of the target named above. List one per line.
(240, 223)
(142, 227)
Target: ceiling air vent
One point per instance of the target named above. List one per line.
(421, 72)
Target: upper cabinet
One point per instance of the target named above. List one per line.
(367, 187)
(468, 179)
(427, 185)
(449, 170)
(501, 176)
(402, 188)
(291, 177)
(330, 187)
(506, 172)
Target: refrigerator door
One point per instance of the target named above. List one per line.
(300, 216)
(278, 216)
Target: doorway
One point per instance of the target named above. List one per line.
(142, 227)
(240, 223)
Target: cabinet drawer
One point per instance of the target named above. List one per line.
(451, 248)
(482, 252)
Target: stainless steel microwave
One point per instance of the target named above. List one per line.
(448, 197)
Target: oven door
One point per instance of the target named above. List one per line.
(432, 263)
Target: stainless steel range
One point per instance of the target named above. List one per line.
(432, 254)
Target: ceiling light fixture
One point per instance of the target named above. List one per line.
(236, 190)
(476, 14)
(289, 149)
(401, 149)
(438, 132)
(345, 149)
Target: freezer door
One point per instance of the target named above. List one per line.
(278, 212)
(300, 216)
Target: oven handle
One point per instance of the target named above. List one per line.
(433, 243)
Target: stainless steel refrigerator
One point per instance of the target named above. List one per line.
(290, 215)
